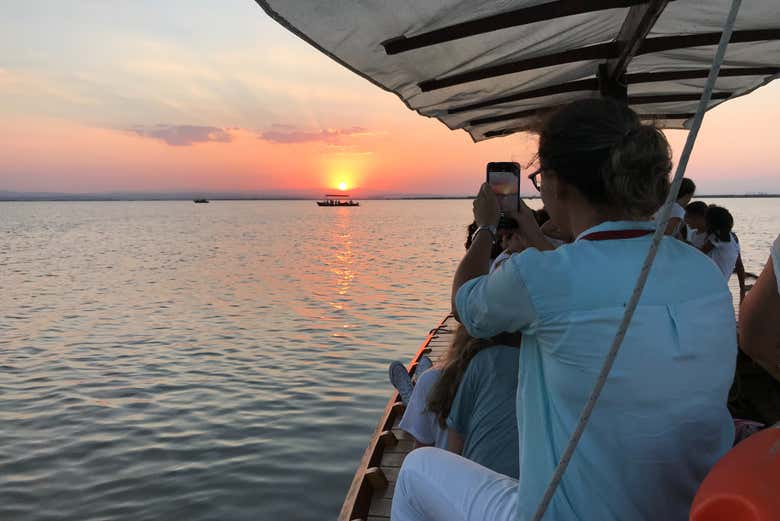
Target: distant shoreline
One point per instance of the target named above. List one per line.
(131, 198)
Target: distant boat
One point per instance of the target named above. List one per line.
(337, 200)
(200, 200)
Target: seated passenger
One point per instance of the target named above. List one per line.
(474, 400)
(418, 421)
(722, 245)
(661, 421)
(757, 383)
(696, 223)
(759, 327)
(675, 224)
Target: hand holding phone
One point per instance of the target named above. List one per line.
(486, 211)
(504, 180)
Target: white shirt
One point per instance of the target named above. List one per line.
(504, 255)
(698, 239)
(417, 419)
(661, 422)
(724, 254)
(678, 212)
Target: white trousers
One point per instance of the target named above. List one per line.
(437, 485)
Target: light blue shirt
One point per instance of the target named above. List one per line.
(483, 411)
(661, 422)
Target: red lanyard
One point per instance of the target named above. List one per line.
(615, 234)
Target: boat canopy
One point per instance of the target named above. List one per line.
(491, 67)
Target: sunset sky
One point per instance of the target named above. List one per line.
(214, 96)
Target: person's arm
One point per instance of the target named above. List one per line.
(672, 226)
(476, 262)
(707, 247)
(739, 269)
(759, 334)
(489, 304)
(454, 441)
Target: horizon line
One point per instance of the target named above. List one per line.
(7, 196)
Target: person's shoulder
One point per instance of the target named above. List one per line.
(493, 356)
(537, 259)
(690, 262)
(541, 271)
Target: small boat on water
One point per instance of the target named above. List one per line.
(200, 200)
(337, 200)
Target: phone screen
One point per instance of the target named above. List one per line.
(506, 186)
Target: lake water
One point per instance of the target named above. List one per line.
(166, 360)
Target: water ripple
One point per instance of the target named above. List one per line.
(164, 360)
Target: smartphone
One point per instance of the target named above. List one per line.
(504, 179)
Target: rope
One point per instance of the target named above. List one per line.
(662, 219)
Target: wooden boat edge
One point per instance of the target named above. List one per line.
(357, 501)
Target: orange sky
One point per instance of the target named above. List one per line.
(220, 98)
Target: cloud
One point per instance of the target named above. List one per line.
(184, 135)
(286, 134)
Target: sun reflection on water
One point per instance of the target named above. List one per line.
(344, 267)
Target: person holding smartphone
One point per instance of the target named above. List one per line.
(662, 421)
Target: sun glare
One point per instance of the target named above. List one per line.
(342, 186)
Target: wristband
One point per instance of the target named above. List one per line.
(491, 228)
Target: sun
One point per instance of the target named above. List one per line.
(342, 186)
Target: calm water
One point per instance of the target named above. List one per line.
(165, 360)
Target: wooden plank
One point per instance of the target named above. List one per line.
(601, 51)
(645, 117)
(572, 86)
(388, 439)
(636, 26)
(403, 446)
(678, 115)
(393, 459)
(376, 478)
(389, 491)
(670, 43)
(401, 434)
(632, 100)
(692, 74)
(391, 473)
(380, 507)
(505, 20)
(592, 84)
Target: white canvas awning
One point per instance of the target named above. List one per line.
(490, 67)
